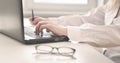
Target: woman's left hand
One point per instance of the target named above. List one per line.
(51, 27)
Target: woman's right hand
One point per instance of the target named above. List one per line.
(36, 20)
(56, 29)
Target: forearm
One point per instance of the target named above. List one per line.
(100, 36)
(95, 16)
(70, 20)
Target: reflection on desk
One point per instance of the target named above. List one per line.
(12, 51)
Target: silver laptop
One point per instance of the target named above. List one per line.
(14, 25)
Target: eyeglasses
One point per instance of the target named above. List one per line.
(64, 51)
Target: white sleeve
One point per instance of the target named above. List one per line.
(95, 16)
(99, 35)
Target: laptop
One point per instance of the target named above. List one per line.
(16, 26)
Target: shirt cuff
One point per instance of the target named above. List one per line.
(72, 33)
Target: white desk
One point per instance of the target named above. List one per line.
(11, 51)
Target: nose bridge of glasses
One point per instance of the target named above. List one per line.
(55, 49)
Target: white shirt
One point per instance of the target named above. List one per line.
(99, 28)
(95, 28)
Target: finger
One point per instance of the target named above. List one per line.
(37, 29)
(39, 26)
(47, 30)
(43, 22)
(34, 18)
(41, 29)
(33, 22)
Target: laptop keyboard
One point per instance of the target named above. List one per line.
(47, 37)
(30, 32)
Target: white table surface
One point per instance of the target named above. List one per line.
(12, 51)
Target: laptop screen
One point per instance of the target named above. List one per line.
(11, 19)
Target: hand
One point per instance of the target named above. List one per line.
(36, 20)
(51, 27)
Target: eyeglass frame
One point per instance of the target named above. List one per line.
(57, 48)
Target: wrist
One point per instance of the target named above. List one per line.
(65, 31)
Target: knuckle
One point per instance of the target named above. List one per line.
(43, 26)
(39, 22)
(48, 24)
